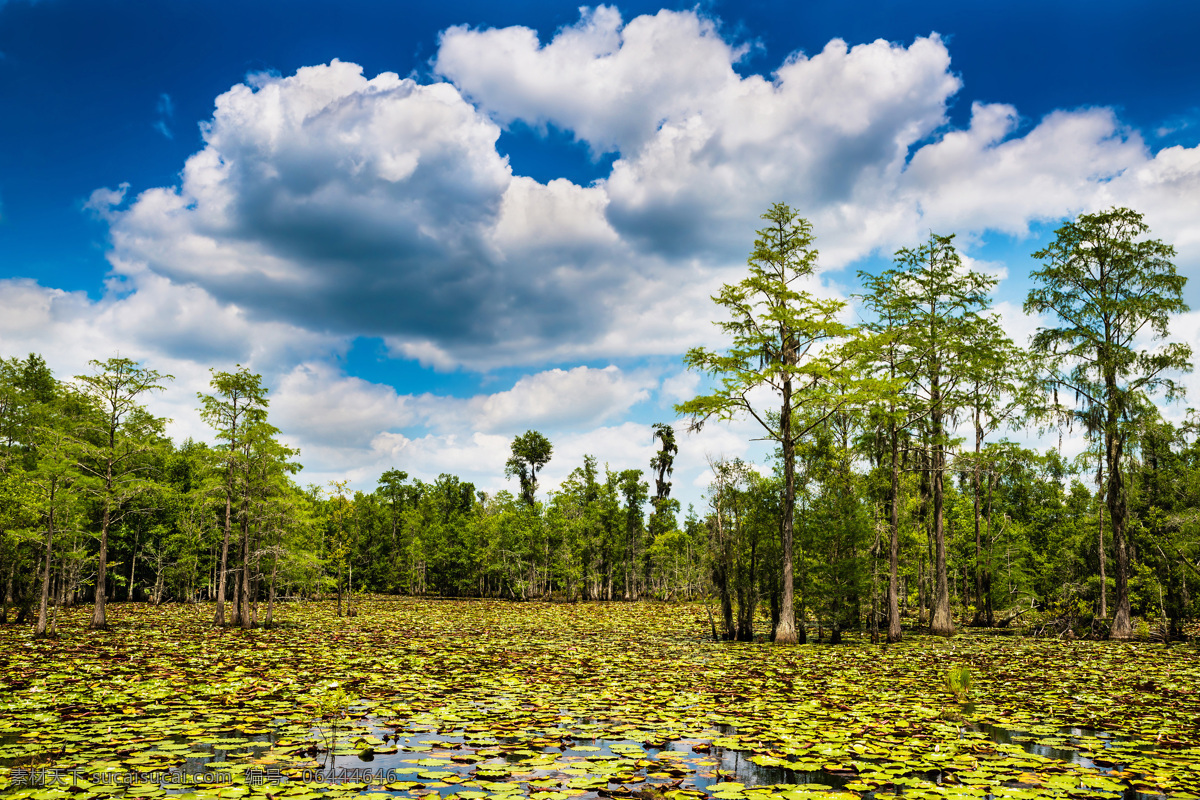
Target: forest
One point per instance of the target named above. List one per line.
(894, 497)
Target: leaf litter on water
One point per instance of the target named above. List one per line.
(479, 699)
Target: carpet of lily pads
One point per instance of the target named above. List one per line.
(481, 700)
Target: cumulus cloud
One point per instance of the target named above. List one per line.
(611, 84)
(680, 387)
(345, 427)
(103, 202)
(984, 178)
(319, 406)
(1167, 189)
(380, 206)
(327, 407)
(375, 206)
(343, 424)
(176, 330)
(856, 137)
(580, 396)
(327, 205)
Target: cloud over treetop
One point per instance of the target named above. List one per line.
(348, 205)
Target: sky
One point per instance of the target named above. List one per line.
(432, 227)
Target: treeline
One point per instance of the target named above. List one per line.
(98, 504)
(890, 496)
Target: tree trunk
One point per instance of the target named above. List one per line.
(42, 620)
(339, 588)
(988, 571)
(219, 617)
(630, 569)
(1100, 551)
(978, 620)
(722, 567)
(256, 587)
(61, 593)
(921, 589)
(893, 633)
(58, 600)
(1122, 626)
(132, 568)
(270, 622)
(942, 623)
(246, 619)
(785, 632)
(71, 588)
(98, 617)
(875, 586)
(8, 587)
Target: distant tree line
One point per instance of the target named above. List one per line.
(889, 497)
(97, 504)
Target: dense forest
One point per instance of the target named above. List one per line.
(893, 494)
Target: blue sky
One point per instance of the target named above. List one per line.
(433, 226)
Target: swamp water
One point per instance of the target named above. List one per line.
(370, 757)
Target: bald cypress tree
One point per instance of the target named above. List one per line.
(1107, 287)
(779, 333)
(112, 442)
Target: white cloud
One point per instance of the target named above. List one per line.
(1019, 326)
(327, 205)
(826, 135)
(557, 216)
(628, 445)
(319, 406)
(346, 427)
(609, 83)
(986, 177)
(1184, 328)
(996, 270)
(175, 330)
(102, 202)
(1166, 189)
(361, 205)
(580, 396)
(680, 386)
(380, 206)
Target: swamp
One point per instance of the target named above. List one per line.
(478, 699)
(431, 638)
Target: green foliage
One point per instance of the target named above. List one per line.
(780, 335)
(958, 681)
(530, 452)
(114, 442)
(1110, 289)
(743, 547)
(662, 464)
(776, 329)
(331, 703)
